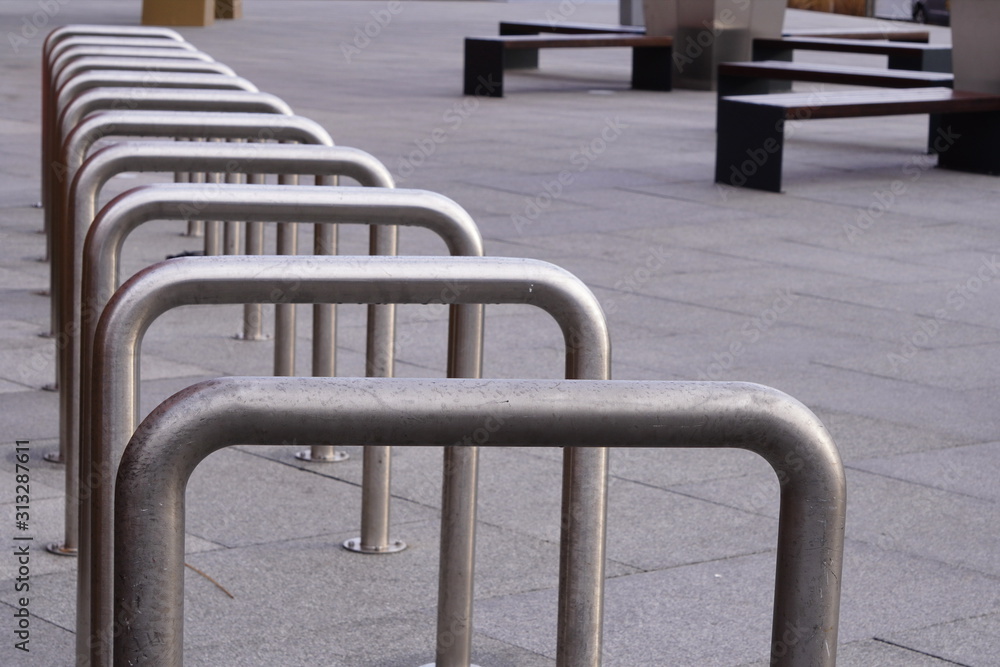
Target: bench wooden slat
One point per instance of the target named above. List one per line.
(839, 74)
(857, 103)
(868, 46)
(535, 27)
(891, 34)
(567, 41)
(902, 55)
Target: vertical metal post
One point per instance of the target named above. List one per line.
(231, 234)
(284, 313)
(196, 228)
(380, 359)
(253, 313)
(213, 236)
(324, 339)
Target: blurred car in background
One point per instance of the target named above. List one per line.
(932, 11)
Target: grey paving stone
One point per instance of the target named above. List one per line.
(874, 652)
(962, 470)
(48, 645)
(968, 641)
(921, 569)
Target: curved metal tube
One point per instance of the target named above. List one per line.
(112, 31)
(123, 42)
(117, 79)
(167, 50)
(66, 244)
(52, 139)
(80, 52)
(267, 203)
(110, 78)
(178, 435)
(151, 65)
(153, 291)
(168, 99)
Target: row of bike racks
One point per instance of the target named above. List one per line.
(101, 81)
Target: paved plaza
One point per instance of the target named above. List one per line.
(869, 290)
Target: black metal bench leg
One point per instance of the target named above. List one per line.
(522, 59)
(967, 141)
(651, 67)
(749, 146)
(928, 61)
(769, 53)
(484, 61)
(727, 85)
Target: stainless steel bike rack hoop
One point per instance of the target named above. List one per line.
(172, 99)
(166, 51)
(272, 203)
(178, 435)
(68, 241)
(261, 158)
(151, 66)
(326, 279)
(110, 31)
(52, 139)
(56, 50)
(129, 79)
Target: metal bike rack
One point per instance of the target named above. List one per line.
(182, 431)
(171, 99)
(67, 241)
(109, 31)
(139, 58)
(106, 40)
(52, 138)
(322, 161)
(148, 65)
(271, 203)
(49, 94)
(338, 280)
(80, 52)
(101, 259)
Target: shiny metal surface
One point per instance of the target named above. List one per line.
(383, 207)
(177, 436)
(196, 280)
(67, 238)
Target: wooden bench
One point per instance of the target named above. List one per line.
(486, 58)
(536, 27)
(965, 128)
(921, 57)
(757, 78)
(528, 58)
(890, 34)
